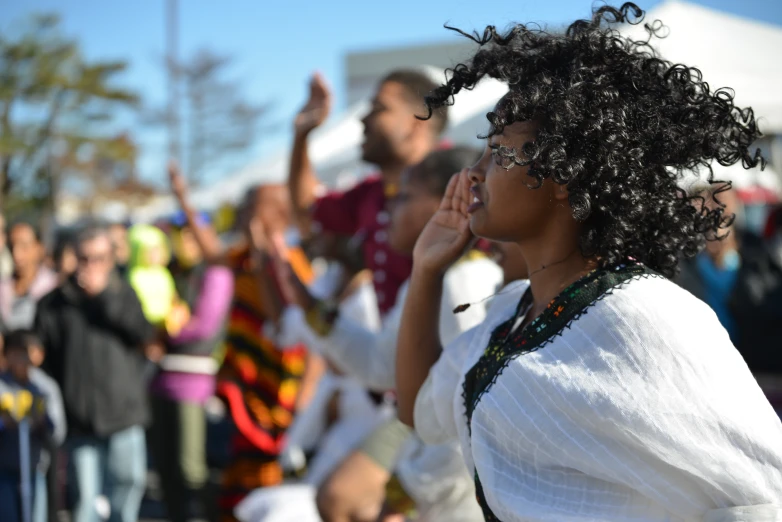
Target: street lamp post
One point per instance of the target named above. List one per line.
(173, 80)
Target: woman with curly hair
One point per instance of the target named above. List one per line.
(601, 390)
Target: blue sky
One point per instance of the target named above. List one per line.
(277, 44)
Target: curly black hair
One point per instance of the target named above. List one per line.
(619, 126)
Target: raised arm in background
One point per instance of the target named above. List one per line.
(440, 244)
(267, 262)
(271, 272)
(210, 246)
(302, 181)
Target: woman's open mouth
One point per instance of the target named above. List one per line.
(476, 202)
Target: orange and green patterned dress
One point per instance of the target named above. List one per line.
(260, 383)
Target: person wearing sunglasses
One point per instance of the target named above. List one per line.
(95, 336)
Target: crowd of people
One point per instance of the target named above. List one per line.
(551, 328)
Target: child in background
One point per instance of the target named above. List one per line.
(45, 497)
(20, 400)
(64, 260)
(152, 281)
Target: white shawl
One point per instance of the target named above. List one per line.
(640, 410)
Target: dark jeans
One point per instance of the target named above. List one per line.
(178, 440)
(46, 502)
(11, 496)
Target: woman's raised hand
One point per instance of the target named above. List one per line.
(447, 234)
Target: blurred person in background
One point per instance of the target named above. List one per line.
(262, 385)
(740, 277)
(772, 233)
(95, 336)
(422, 477)
(712, 275)
(64, 260)
(6, 262)
(186, 379)
(393, 140)
(45, 504)
(22, 401)
(31, 279)
(119, 242)
(341, 414)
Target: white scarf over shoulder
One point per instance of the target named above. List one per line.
(640, 410)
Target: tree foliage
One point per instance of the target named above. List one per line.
(218, 123)
(56, 114)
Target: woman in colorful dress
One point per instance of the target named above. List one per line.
(601, 390)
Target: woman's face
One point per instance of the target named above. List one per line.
(119, 241)
(185, 247)
(414, 205)
(25, 248)
(505, 207)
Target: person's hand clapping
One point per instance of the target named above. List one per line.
(447, 234)
(317, 108)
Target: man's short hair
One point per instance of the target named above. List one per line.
(418, 84)
(91, 233)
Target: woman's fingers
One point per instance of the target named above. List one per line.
(450, 192)
(465, 196)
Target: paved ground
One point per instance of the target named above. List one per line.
(218, 435)
(151, 508)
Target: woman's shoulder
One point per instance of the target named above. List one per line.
(624, 310)
(660, 300)
(653, 321)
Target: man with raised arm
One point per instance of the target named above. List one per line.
(394, 138)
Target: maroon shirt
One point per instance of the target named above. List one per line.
(362, 212)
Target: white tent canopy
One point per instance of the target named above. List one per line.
(730, 52)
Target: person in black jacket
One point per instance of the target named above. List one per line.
(95, 336)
